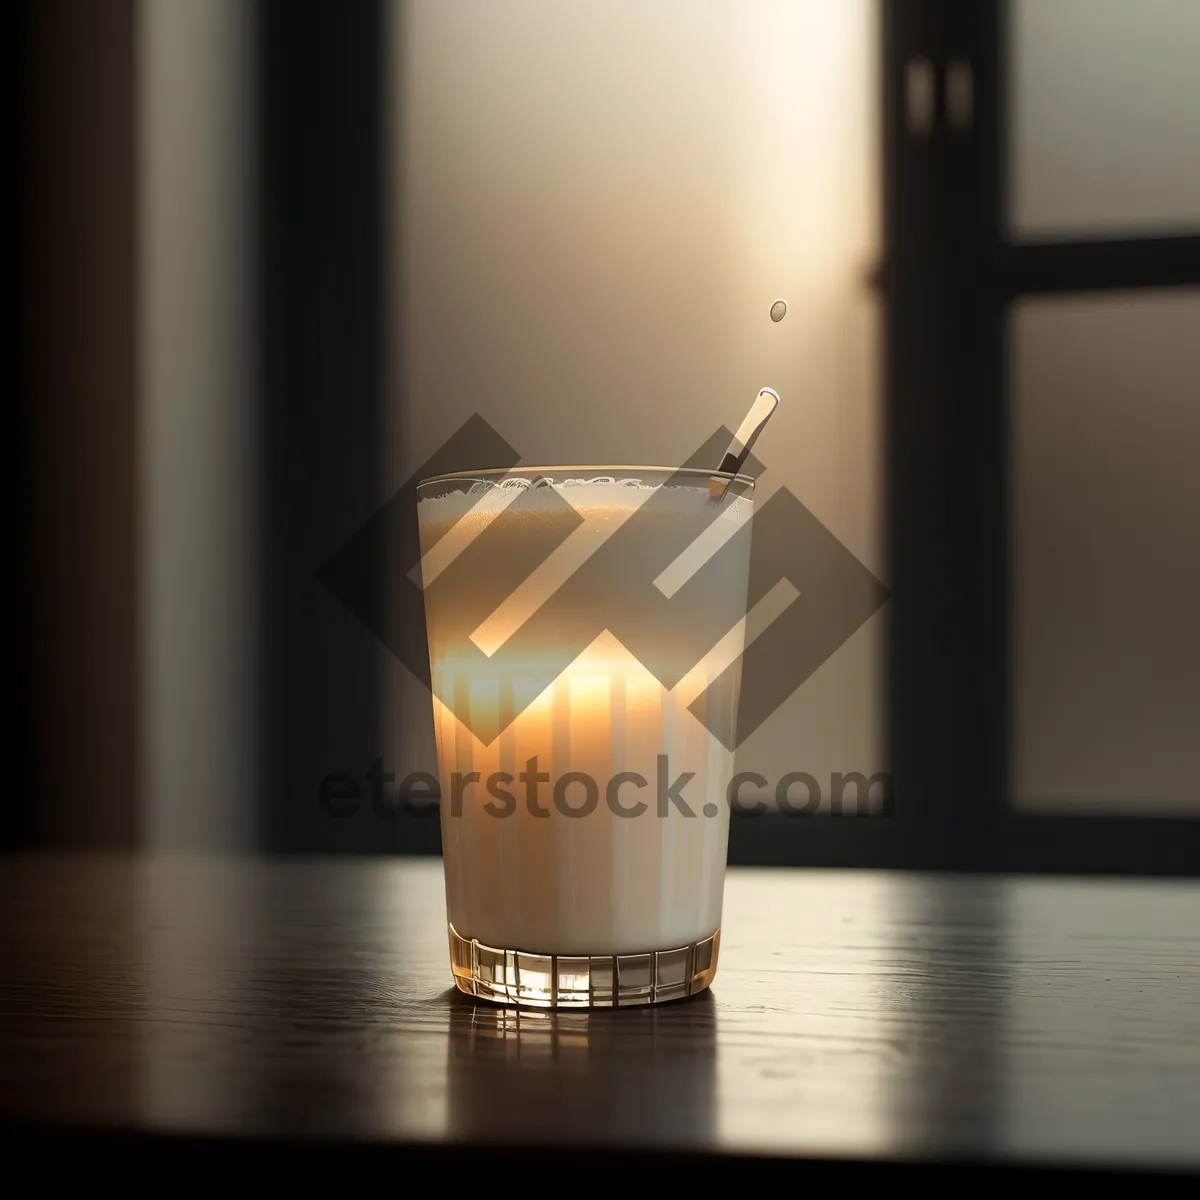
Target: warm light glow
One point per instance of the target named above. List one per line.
(590, 682)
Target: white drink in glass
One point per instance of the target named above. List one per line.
(620, 900)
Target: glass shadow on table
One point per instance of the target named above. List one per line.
(641, 1076)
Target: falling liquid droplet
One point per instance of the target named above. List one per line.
(778, 311)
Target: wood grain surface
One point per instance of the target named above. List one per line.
(856, 1017)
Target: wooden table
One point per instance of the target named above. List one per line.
(860, 1021)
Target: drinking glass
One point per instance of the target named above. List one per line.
(585, 627)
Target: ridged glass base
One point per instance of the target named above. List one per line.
(593, 981)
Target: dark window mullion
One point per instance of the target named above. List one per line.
(1109, 264)
(944, 365)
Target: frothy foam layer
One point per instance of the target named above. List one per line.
(591, 499)
(681, 515)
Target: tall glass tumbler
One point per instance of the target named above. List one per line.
(586, 627)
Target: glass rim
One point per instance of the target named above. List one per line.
(517, 472)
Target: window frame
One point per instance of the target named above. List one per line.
(950, 278)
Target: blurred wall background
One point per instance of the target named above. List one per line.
(199, 530)
(268, 257)
(595, 206)
(199, 285)
(80, 495)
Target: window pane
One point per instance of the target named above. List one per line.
(1105, 514)
(1105, 98)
